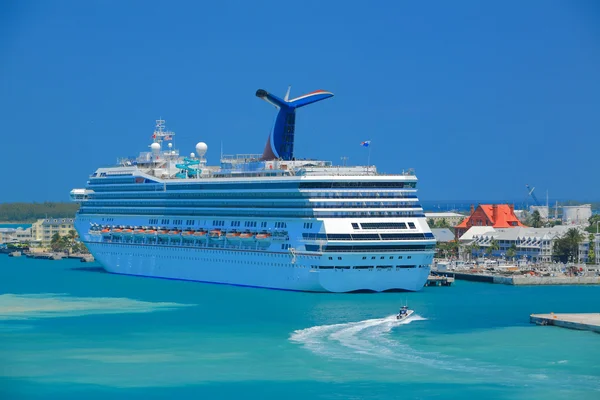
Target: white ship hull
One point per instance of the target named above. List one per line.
(255, 268)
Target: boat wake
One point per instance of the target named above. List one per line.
(370, 340)
(368, 337)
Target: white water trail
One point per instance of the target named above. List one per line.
(369, 340)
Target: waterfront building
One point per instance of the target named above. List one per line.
(43, 229)
(494, 215)
(15, 235)
(451, 218)
(535, 244)
(584, 248)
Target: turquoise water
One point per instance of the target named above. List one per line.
(70, 331)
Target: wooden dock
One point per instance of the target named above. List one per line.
(437, 280)
(586, 322)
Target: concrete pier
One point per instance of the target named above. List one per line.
(436, 280)
(586, 322)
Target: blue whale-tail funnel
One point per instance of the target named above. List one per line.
(280, 144)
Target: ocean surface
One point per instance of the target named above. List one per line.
(68, 330)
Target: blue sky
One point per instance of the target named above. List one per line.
(480, 98)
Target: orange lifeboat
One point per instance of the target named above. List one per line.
(215, 234)
(139, 231)
(263, 236)
(163, 232)
(200, 233)
(247, 236)
(233, 235)
(187, 234)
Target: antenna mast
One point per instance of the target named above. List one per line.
(160, 133)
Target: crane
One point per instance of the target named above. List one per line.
(530, 190)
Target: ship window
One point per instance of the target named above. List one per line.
(355, 225)
(411, 225)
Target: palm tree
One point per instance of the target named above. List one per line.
(55, 242)
(473, 248)
(536, 219)
(492, 247)
(512, 251)
(567, 247)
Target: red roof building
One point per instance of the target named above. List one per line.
(495, 215)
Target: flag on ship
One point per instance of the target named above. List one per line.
(366, 143)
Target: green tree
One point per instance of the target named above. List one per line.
(535, 220)
(594, 220)
(492, 247)
(431, 223)
(55, 242)
(566, 248)
(473, 248)
(512, 251)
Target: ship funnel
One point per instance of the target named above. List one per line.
(281, 140)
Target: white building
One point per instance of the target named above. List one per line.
(584, 248)
(15, 235)
(535, 244)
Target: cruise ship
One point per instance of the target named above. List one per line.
(267, 220)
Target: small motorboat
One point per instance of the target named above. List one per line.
(404, 313)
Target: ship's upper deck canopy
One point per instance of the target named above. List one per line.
(164, 161)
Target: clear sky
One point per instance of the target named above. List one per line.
(480, 98)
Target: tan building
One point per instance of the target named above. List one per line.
(43, 229)
(451, 218)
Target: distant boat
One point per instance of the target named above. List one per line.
(404, 313)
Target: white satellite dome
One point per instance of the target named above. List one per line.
(155, 147)
(192, 155)
(170, 145)
(201, 148)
